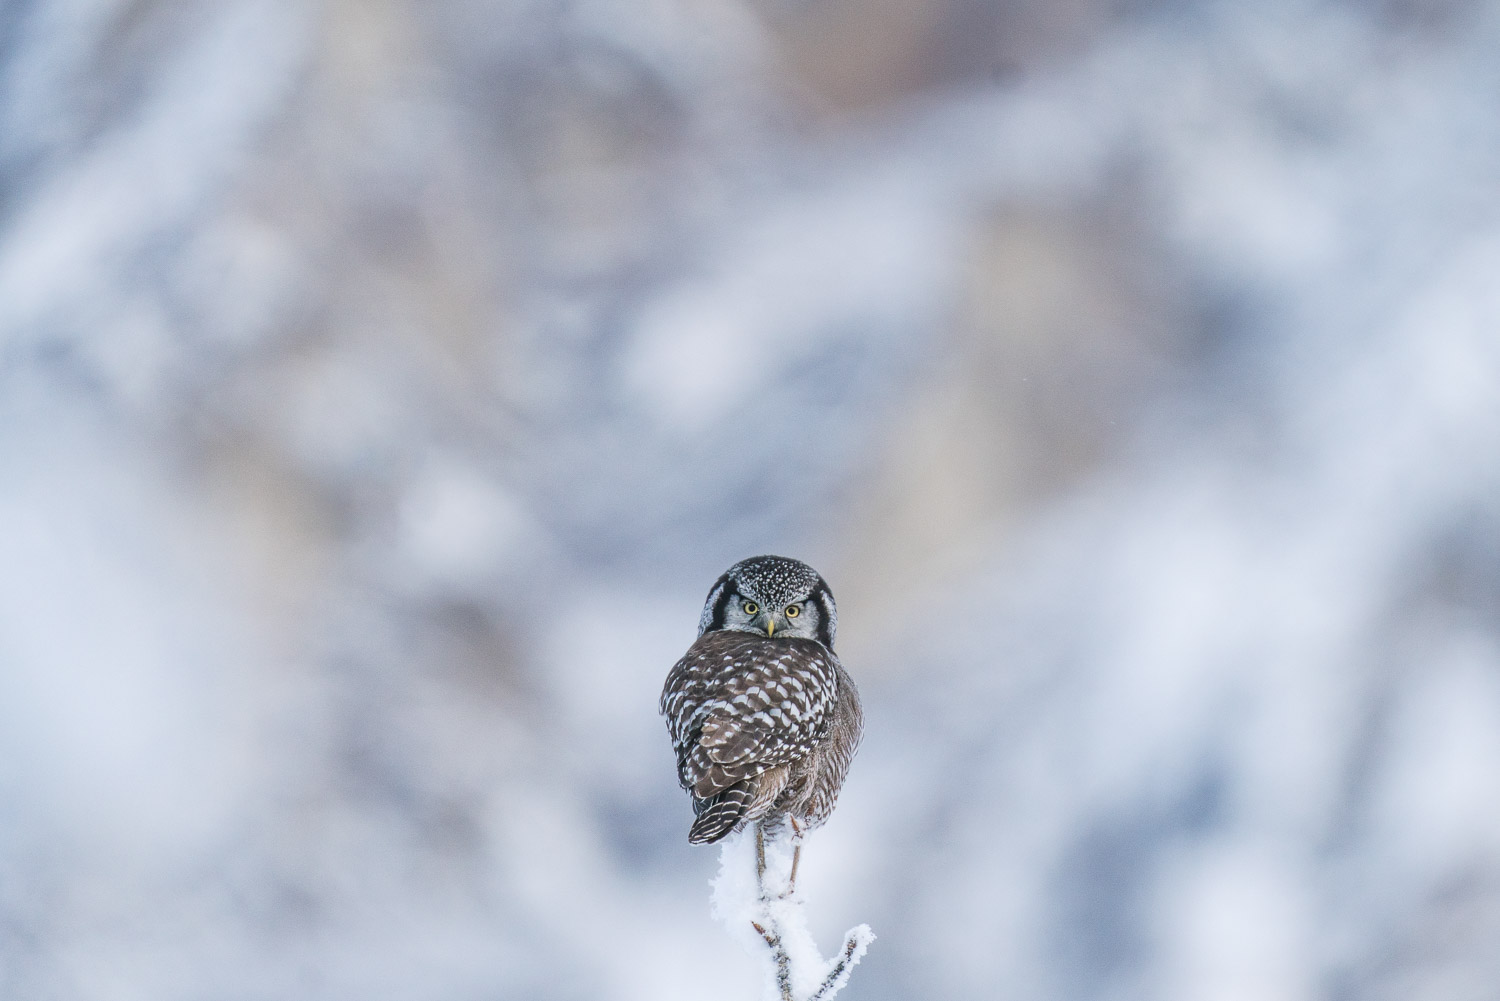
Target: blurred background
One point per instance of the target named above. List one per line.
(384, 382)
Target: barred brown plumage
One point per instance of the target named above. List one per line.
(763, 717)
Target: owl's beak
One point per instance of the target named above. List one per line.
(770, 627)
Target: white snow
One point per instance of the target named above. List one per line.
(749, 911)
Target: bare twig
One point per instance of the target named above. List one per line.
(760, 861)
(791, 881)
(783, 961)
(856, 941)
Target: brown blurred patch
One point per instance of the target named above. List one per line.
(1060, 341)
(852, 55)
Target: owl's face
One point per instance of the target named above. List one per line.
(773, 596)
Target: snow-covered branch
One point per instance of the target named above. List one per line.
(755, 896)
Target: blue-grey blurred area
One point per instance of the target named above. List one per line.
(384, 382)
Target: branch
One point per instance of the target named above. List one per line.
(743, 895)
(856, 941)
(783, 961)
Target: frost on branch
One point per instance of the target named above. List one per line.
(764, 912)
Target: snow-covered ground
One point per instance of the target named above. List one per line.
(382, 385)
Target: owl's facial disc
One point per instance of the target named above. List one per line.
(773, 596)
(748, 614)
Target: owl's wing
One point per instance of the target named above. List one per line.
(738, 704)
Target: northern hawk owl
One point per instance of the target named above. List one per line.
(763, 717)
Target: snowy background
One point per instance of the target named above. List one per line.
(383, 383)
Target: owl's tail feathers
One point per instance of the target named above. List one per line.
(721, 813)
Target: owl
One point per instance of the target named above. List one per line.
(763, 717)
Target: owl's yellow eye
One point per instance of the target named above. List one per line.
(792, 611)
(750, 607)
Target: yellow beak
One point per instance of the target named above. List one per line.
(770, 627)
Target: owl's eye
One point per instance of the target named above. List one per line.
(750, 607)
(792, 611)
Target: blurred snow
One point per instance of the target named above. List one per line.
(383, 384)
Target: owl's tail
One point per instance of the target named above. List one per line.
(721, 813)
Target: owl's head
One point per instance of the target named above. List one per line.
(773, 596)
